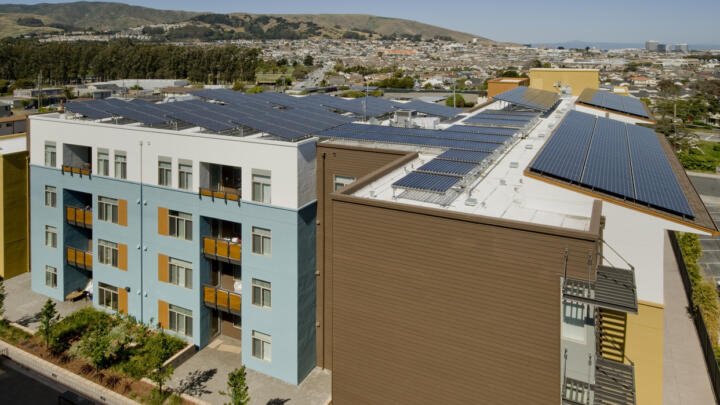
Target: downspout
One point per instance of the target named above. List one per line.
(141, 247)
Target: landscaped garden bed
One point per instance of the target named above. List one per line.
(113, 351)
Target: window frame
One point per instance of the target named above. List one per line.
(112, 203)
(263, 248)
(114, 296)
(51, 192)
(103, 162)
(175, 268)
(121, 171)
(165, 172)
(185, 175)
(51, 272)
(265, 346)
(343, 181)
(261, 186)
(107, 250)
(175, 219)
(52, 154)
(51, 231)
(261, 293)
(175, 313)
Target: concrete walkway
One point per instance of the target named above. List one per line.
(22, 304)
(685, 376)
(204, 375)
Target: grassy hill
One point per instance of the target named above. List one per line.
(19, 19)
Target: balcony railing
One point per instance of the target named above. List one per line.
(222, 300)
(79, 258)
(79, 217)
(613, 383)
(222, 193)
(613, 289)
(82, 171)
(222, 250)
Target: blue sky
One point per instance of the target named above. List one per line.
(523, 21)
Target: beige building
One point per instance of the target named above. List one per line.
(553, 79)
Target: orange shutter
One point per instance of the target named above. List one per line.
(122, 301)
(122, 256)
(163, 274)
(163, 221)
(122, 212)
(163, 317)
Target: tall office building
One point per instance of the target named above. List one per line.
(205, 232)
(662, 48)
(682, 48)
(651, 46)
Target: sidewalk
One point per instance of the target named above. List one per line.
(685, 376)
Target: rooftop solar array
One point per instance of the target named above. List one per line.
(463, 156)
(535, 99)
(620, 159)
(614, 102)
(479, 129)
(427, 182)
(447, 167)
(431, 108)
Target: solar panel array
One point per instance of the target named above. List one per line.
(479, 129)
(427, 182)
(463, 156)
(620, 159)
(502, 118)
(447, 167)
(97, 109)
(614, 102)
(431, 108)
(535, 99)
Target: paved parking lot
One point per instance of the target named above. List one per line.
(204, 375)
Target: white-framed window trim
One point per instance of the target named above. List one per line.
(51, 276)
(262, 346)
(50, 236)
(180, 320)
(108, 296)
(185, 174)
(261, 293)
(108, 253)
(50, 196)
(120, 165)
(180, 272)
(341, 181)
(165, 172)
(108, 209)
(103, 162)
(261, 190)
(50, 154)
(180, 225)
(261, 241)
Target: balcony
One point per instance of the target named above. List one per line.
(223, 250)
(83, 170)
(613, 288)
(222, 300)
(614, 385)
(79, 258)
(79, 217)
(222, 193)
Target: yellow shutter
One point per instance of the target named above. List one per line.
(163, 317)
(163, 221)
(122, 301)
(163, 274)
(122, 256)
(122, 212)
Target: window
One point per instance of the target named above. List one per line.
(180, 320)
(120, 165)
(261, 346)
(50, 196)
(573, 325)
(185, 176)
(50, 154)
(261, 185)
(237, 321)
(180, 225)
(108, 253)
(180, 273)
(50, 236)
(165, 173)
(108, 209)
(342, 181)
(51, 276)
(261, 241)
(103, 160)
(108, 296)
(261, 293)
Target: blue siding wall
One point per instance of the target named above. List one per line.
(290, 268)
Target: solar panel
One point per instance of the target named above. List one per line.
(427, 182)
(612, 101)
(510, 117)
(493, 121)
(447, 167)
(654, 179)
(607, 167)
(463, 156)
(530, 98)
(478, 129)
(431, 108)
(86, 110)
(621, 159)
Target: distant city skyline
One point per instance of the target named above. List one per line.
(522, 21)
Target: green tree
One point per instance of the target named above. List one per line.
(48, 318)
(237, 387)
(255, 89)
(308, 61)
(159, 372)
(668, 88)
(459, 101)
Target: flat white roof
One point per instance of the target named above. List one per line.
(503, 191)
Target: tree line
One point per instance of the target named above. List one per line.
(70, 62)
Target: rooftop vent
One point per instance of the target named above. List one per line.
(528, 146)
(471, 202)
(514, 165)
(503, 182)
(373, 194)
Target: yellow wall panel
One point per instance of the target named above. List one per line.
(578, 79)
(644, 346)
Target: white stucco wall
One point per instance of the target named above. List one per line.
(12, 144)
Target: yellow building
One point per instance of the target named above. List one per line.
(552, 79)
(13, 205)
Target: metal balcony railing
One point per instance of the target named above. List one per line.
(85, 170)
(222, 250)
(79, 258)
(79, 217)
(222, 193)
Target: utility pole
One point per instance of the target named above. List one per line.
(454, 98)
(365, 102)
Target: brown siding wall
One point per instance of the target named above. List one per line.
(228, 329)
(345, 161)
(430, 307)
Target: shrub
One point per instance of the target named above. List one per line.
(75, 325)
(705, 298)
(353, 94)
(691, 251)
(459, 101)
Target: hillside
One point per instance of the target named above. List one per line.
(19, 19)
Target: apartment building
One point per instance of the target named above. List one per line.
(478, 272)
(203, 232)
